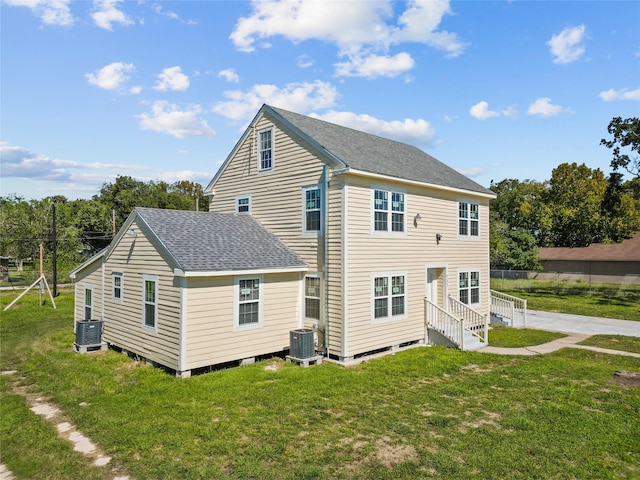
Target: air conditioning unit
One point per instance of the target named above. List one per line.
(301, 343)
(89, 332)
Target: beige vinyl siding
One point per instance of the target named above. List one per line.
(211, 338)
(91, 275)
(135, 256)
(408, 252)
(276, 195)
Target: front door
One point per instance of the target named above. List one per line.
(436, 285)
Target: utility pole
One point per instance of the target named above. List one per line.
(55, 252)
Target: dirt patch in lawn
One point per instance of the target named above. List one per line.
(628, 379)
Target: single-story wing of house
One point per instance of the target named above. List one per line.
(166, 265)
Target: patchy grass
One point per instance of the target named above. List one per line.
(520, 337)
(614, 342)
(421, 413)
(596, 300)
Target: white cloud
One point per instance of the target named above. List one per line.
(229, 74)
(544, 107)
(168, 118)
(19, 162)
(481, 111)
(297, 97)
(112, 76)
(419, 131)
(51, 12)
(472, 171)
(567, 46)
(373, 66)
(172, 78)
(622, 94)
(362, 29)
(105, 14)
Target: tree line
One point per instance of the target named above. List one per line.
(83, 227)
(577, 206)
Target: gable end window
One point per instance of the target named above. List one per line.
(389, 296)
(312, 206)
(88, 302)
(468, 219)
(265, 150)
(150, 301)
(469, 287)
(243, 204)
(116, 283)
(388, 211)
(248, 293)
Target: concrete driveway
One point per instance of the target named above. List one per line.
(562, 322)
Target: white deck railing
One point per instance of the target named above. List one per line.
(509, 307)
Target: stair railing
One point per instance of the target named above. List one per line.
(448, 325)
(473, 321)
(508, 306)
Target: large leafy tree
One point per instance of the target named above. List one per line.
(625, 144)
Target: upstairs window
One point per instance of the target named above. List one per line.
(388, 211)
(116, 281)
(468, 219)
(469, 287)
(265, 150)
(243, 204)
(312, 200)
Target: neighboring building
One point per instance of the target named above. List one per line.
(378, 236)
(616, 263)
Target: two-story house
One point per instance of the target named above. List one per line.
(371, 242)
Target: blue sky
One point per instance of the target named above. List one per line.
(163, 90)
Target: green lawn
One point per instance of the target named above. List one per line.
(609, 301)
(614, 342)
(520, 337)
(422, 413)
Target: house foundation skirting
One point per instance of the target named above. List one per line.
(373, 354)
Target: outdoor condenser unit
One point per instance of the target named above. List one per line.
(301, 343)
(89, 332)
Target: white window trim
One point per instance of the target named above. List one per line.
(273, 150)
(89, 287)
(120, 275)
(468, 236)
(236, 303)
(389, 232)
(469, 270)
(240, 197)
(150, 278)
(304, 210)
(390, 317)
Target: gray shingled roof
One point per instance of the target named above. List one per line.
(373, 154)
(207, 241)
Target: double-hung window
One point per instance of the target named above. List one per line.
(88, 302)
(243, 204)
(469, 287)
(116, 287)
(150, 301)
(388, 211)
(248, 302)
(265, 150)
(468, 219)
(312, 203)
(312, 297)
(389, 296)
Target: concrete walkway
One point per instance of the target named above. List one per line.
(577, 328)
